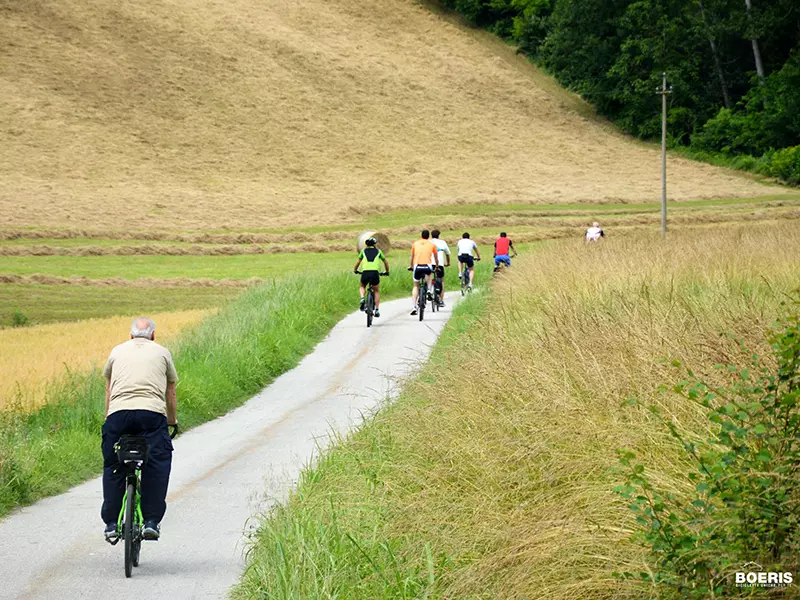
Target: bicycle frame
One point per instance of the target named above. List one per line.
(133, 476)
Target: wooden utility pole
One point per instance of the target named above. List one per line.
(664, 91)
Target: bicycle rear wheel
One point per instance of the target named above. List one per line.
(127, 528)
(370, 308)
(137, 530)
(421, 304)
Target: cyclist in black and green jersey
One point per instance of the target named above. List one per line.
(370, 273)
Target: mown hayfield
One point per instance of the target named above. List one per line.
(246, 114)
(43, 353)
(241, 267)
(493, 476)
(42, 304)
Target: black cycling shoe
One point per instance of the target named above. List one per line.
(413, 312)
(151, 530)
(377, 313)
(363, 303)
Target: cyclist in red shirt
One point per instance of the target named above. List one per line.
(502, 246)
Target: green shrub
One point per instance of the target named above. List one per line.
(785, 165)
(746, 491)
(19, 319)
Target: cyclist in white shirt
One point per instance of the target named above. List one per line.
(594, 233)
(465, 249)
(443, 252)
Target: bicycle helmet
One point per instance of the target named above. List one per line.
(370, 241)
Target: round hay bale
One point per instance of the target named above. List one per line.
(384, 245)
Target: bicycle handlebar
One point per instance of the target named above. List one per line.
(174, 431)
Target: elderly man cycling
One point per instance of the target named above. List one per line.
(140, 400)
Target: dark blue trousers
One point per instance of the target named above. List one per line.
(155, 473)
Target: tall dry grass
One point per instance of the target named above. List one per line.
(37, 355)
(492, 477)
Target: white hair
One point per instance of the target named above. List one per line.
(142, 327)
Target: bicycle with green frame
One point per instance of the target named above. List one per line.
(132, 453)
(369, 300)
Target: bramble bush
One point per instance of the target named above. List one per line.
(745, 503)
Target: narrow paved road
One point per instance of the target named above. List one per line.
(224, 473)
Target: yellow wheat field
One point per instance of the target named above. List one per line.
(251, 113)
(34, 356)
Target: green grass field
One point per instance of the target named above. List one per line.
(266, 266)
(55, 303)
(49, 303)
(524, 222)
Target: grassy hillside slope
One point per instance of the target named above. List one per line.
(244, 113)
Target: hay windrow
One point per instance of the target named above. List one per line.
(144, 282)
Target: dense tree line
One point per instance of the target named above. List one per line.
(734, 66)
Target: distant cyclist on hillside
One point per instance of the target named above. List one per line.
(443, 254)
(424, 256)
(502, 246)
(371, 274)
(466, 262)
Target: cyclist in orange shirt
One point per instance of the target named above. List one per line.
(424, 256)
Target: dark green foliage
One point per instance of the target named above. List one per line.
(768, 117)
(744, 474)
(19, 319)
(785, 164)
(613, 52)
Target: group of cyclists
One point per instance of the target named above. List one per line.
(430, 255)
(141, 377)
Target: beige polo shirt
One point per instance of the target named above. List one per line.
(139, 371)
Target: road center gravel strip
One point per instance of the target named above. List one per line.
(224, 473)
